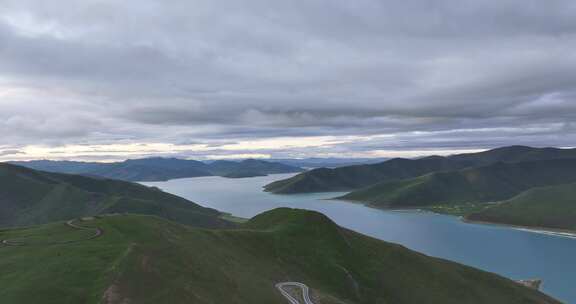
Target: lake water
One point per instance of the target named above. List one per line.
(512, 253)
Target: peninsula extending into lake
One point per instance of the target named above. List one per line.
(522, 186)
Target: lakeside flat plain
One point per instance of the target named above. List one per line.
(510, 252)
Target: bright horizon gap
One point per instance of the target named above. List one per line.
(104, 153)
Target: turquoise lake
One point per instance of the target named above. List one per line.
(513, 253)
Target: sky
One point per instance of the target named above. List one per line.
(106, 80)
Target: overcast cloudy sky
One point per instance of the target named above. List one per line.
(109, 79)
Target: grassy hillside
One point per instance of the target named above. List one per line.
(143, 259)
(546, 207)
(34, 197)
(360, 176)
(160, 169)
(490, 183)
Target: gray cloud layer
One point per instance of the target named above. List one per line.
(432, 73)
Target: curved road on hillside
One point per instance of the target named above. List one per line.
(97, 233)
(289, 297)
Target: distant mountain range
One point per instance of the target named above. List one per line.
(30, 197)
(146, 259)
(161, 169)
(510, 174)
(333, 162)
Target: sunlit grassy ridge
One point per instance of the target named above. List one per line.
(144, 259)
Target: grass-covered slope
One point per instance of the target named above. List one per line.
(34, 197)
(544, 207)
(143, 259)
(360, 176)
(495, 182)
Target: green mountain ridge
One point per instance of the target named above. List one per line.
(356, 177)
(515, 154)
(144, 259)
(552, 207)
(30, 197)
(353, 177)
(495, 182)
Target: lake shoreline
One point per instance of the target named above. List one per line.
(519, 255)
(541, 230)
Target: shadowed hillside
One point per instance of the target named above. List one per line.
(356, 177)
(34, 197)
(353, 177)
(490, 183)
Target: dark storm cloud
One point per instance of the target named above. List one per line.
(427, 73)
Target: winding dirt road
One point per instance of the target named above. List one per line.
(289, 297)
(97, 233)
